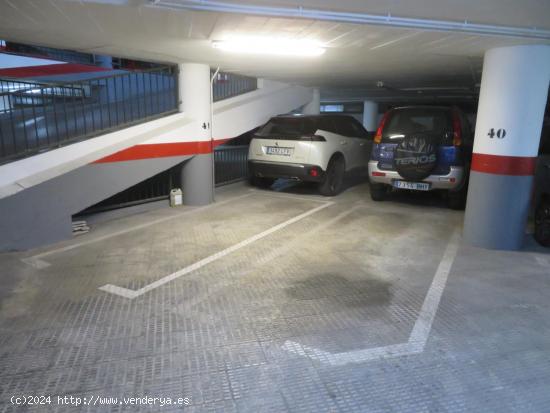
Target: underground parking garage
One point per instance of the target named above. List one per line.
(274, 207)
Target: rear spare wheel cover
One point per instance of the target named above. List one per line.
(416, 156)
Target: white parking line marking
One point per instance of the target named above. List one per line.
(121, 291)
(341, 359)
(423, 325)
(265, 259)
(543, 261)
(36, 261)
(274, 194)
(131, 294)
(420, 332)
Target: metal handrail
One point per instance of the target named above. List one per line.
(160, 70)
(60, 113)
(39, 116)
(227, 85)
(36, 86)
(49, 53)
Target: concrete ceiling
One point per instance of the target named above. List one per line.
(409, 60)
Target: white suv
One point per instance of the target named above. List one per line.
(314, 148)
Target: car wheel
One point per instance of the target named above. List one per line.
(334, 178)
(378, 192)
(261, 182)
(416, 156)
(542, 223)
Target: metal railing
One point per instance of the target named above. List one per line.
(231, 165)
(227, 85)
(50, 52)
(35, 117)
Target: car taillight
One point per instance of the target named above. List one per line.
(314, 172)
(457, 129)
(313, 138)
(378, 135)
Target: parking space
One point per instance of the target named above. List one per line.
(266, 207)
(303, 303)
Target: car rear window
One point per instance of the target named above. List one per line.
(406, 121)
(288, 127)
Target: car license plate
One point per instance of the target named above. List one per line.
(277, 150)
(415, 186)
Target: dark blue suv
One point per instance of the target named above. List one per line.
(422, 148)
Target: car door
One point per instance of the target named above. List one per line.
(322, 152)
(364, 141)
(349, 141)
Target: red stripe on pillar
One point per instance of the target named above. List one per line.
(162, 150)
(504, 165)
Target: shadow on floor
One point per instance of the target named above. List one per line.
(432, 199)
(308, 188)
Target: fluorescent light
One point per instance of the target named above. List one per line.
(272, 46)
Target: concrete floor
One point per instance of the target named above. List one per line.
(276, 301)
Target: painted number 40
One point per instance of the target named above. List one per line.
(499, 133)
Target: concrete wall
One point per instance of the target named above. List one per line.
(42, 214)
(26, 173)
(234, 116)
(39, 194)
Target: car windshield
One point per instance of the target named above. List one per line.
(288, 126)
(406, 121)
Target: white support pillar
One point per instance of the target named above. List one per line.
(313, 107)
(370, 115)
(194, 95)
(514, 89)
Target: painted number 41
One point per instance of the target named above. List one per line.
(499, 133)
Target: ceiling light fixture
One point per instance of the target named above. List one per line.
(271, 46)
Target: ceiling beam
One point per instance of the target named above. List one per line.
(358, 18)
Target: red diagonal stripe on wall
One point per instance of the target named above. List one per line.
(53, 69)
(162, 150)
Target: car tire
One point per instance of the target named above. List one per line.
(334, 177)
(378, 192)
(261, 182)
(542, 223)
(421, 147)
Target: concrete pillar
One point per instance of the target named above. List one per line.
(103, 61)
(370, 115)
(514, 89)
(198, 172)
(313, 107)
